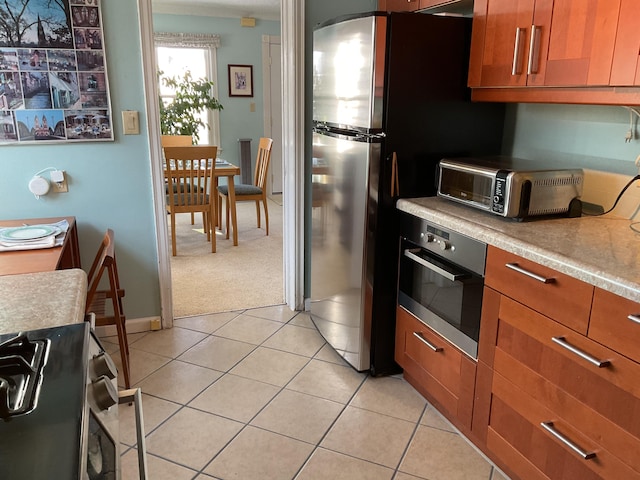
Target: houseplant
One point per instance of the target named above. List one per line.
(192, 96)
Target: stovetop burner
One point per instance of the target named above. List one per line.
(21, 364)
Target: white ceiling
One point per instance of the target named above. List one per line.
(262, 9)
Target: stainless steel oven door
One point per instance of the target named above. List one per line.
(443, 295)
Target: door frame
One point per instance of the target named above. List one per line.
(267, 42)
(292, 35)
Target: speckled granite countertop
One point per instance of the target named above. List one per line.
(602, 251)
(42, 300)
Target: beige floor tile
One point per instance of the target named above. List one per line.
(170, 342)
(205, 323)
(191, 437)
(245, 328)
(325, 464)
(218, 353)
(390, 396)
(369, 436)
(235, 397)
(406, 476)
(157, 468)
(298, 340)
(179, 381)
(270, 366)
(257, 454)
(298, 415)
(433, 418)
(328, 354)
(440, 455)
(302, 319)
(154, 411)
(327, 380)
(141, 364)
(278, 313)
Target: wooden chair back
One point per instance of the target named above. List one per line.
(176, 141)
(99, 298)
(263, 158)
(189, 173)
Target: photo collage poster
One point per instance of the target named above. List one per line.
(53, 79)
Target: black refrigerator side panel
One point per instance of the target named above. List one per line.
(427, 115)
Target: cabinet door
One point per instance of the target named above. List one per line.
(626, 57)
(398, 5)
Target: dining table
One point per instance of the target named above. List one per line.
(63, 256)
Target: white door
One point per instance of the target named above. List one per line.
(273, 108)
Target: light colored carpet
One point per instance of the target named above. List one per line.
(235, 277)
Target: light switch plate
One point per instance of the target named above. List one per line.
(130, 122)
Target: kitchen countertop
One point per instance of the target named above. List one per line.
(41, 300)
(602, 251)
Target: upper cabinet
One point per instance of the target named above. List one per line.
(543, 42)
(626, 57)
(398, 5)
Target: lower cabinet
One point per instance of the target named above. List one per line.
(550, 402)
(437, 369)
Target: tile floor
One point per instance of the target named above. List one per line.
(258, 394)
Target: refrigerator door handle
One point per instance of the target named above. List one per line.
(395, 182)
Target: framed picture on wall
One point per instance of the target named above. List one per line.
(53, 79)
(240, 80)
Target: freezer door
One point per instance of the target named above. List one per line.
(341, 193)
(348, 73)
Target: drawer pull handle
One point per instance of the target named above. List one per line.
(535, 276)
(515, 67)
(634, 318)
(534, 42)
(548, 426)
(594, 361)
(419, 336)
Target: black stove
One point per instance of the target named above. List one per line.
(47, 383)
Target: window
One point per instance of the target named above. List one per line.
(178, 52)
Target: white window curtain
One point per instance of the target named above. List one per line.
(208, 44)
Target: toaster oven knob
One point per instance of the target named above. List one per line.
(103, 365)
(427, 237)
(105, 393)
(444, 245)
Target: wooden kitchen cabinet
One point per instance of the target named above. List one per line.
(626, 57)
(532, 370)
(445, 377)
(398, 5)
(535, 43)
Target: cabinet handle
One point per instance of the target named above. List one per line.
(515, 69)
(419, 336)
(534, 52)
(585, 356)
(634, 318)
(548, 426)
(535, 276)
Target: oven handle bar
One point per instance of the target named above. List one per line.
(535, 276)
(135, 395)
(453, 276)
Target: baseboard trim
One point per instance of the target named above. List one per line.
(135, 325)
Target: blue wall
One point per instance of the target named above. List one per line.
(109, 182)
(238, 45)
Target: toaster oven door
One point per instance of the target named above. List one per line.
(468, 185)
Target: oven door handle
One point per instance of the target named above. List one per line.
(135, 395)
(410, 253)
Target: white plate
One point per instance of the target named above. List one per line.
(26, 233)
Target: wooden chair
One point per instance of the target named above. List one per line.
(257, 192)
(189, 172)
(177, 141)
(98, 299)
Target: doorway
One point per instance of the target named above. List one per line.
(271, 64)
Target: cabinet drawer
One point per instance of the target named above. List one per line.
(445, 375)
(602, 403)
(562, 298)
(516, 436)
(610, 323)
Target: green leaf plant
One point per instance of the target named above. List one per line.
(179, 117)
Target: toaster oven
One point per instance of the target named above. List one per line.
(511, 187)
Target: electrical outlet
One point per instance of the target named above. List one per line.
(59, 181)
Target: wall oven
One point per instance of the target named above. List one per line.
(441, 278)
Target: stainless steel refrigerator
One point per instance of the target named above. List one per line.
(389, 100)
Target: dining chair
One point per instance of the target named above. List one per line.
(256, 192)
(190, 180)
(98, 299)
(177, 141)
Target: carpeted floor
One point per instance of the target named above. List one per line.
(245, 276)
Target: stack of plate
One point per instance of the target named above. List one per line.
(29, 236)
